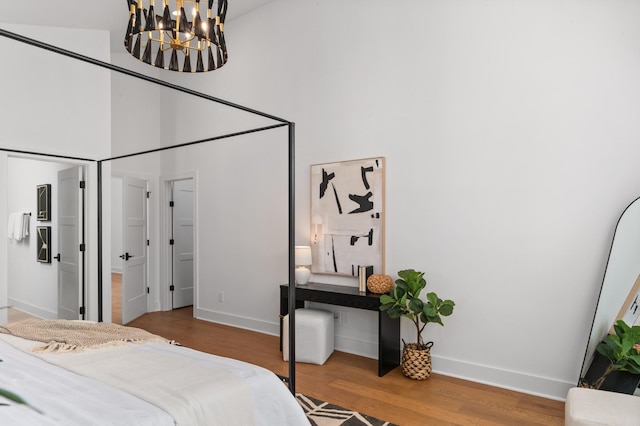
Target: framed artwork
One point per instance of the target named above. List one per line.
(347, 216)
(44, 202)
(44, 244)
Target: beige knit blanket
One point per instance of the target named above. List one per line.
(68, 336)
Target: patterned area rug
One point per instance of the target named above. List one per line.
(322, 413)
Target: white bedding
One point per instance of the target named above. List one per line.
(195, 388)
(66, 398)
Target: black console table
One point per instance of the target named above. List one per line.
(388, 328)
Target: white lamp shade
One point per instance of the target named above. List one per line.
(303, 255)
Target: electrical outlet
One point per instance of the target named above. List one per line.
(221, 296)
(340, 316)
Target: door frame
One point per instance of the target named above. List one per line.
(165, 233)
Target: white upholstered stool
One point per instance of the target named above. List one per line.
(591, 407)
(314, 336)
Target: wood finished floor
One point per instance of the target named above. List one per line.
(351, 381)
(116, 298)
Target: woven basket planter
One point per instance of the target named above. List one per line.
(416, 361)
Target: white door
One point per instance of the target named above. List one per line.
(183, 243)
(70, 257)
(134, 247)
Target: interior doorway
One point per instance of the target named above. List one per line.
(130, 269)
(71, 246)
(181, 195)
(46, 263)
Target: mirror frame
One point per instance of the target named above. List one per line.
(604, 296)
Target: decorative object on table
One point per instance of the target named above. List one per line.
(44, 202)
(380, 283)
(364, 272)
(347, 216)
(404, 301)
(43, 245)
(618, 367)
(303, 260)
(172, 31)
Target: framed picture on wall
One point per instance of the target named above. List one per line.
(44, 202)
(44, 244)
(347, 216)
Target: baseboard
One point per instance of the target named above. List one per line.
(32, 310)
(237, 321)
(513, 380)
(343, 344)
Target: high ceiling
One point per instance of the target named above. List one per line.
(109, 15)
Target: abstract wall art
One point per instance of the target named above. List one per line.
(347, 216)
(43, 246)
(44, 202)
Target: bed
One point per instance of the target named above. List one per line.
(132, 379)
(78, 388)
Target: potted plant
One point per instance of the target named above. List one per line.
(404, 301)
(618, 368)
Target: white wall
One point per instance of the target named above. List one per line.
(510, 136)
(241, 212)
(58, 106)
(135, 129)
(116, 224)
(75, 88)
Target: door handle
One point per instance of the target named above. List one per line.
(57, 257)
(126, 256)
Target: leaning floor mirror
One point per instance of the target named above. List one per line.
(618, 301)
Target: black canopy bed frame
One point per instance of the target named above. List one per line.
(280, 122)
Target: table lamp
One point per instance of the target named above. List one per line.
(303, 259)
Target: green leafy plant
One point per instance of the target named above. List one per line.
(15, 398)
(404, 301)
(12, 397)
(622, 349)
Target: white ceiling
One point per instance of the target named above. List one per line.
(109, 15)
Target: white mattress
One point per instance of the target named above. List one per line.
(195, 387)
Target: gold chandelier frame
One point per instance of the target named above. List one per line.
(173, 32)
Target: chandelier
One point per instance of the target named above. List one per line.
(192, 41)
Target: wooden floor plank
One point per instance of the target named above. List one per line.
(351, 381)
(116, 298)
